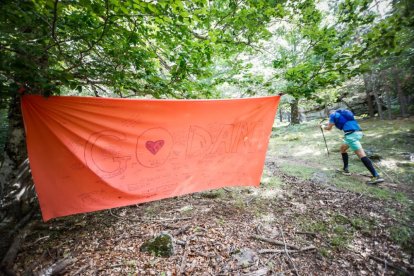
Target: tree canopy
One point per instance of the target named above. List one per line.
(322, 51)
(171, 48)
(132, 47)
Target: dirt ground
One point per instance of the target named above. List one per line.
(299, 228)
(304, 219)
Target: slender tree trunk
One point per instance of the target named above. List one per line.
(378, 104)
(376, 96)
(369, 99)
(400, 93)
(388, 93)
(294, 110)
(280, 114)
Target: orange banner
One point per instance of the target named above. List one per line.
(89, 154)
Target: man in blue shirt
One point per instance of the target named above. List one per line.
(344, 120)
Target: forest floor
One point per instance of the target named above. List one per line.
(305, 219)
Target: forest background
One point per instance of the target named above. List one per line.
(357, 54)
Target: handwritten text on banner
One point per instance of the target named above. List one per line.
(89, 154)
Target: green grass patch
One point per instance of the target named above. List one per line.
(271, 182)
(400, 232)
(300, 171)
(358, 186)
(153, 208)
(239, 203)
(292, 137)
(339, 242)
(221, 221)
(338, 229)
(403, 235)
(363, 225)
(275, 182)
(187, 210)
(318, 226)
(219, 193)
(325, 252)
(390, 139)
(303, 148)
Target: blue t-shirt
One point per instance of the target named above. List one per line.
(344, 120)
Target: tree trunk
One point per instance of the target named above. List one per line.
(294, 110)
(280, 114)
(388, 93)
(376, 96)
(17, 195)
(400, 93)
(15, 148)
(378, 104)
(369, 98)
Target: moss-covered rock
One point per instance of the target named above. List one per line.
(162, 245)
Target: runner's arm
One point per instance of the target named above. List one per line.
(328, 126)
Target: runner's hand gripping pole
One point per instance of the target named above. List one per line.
(326, 145)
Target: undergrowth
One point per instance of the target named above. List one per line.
(302, 153)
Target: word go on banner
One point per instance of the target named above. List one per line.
(89, 154)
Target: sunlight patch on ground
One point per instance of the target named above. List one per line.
(186, 208)
(375, 135)
(269, 217)
(388, 163)
(272, 193)
(306, 151)
(318, 153)
(317, 135)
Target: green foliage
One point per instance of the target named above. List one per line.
(185, 49)
(163, 48)
(325, 49)
(3, 129)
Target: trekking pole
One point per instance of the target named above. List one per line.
(326, 145)
(383, 171)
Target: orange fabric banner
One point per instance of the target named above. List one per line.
(89, 154)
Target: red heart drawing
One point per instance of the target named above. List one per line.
(154, 147)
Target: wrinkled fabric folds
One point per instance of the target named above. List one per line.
(88, 154)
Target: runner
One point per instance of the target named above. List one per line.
(344, 120)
